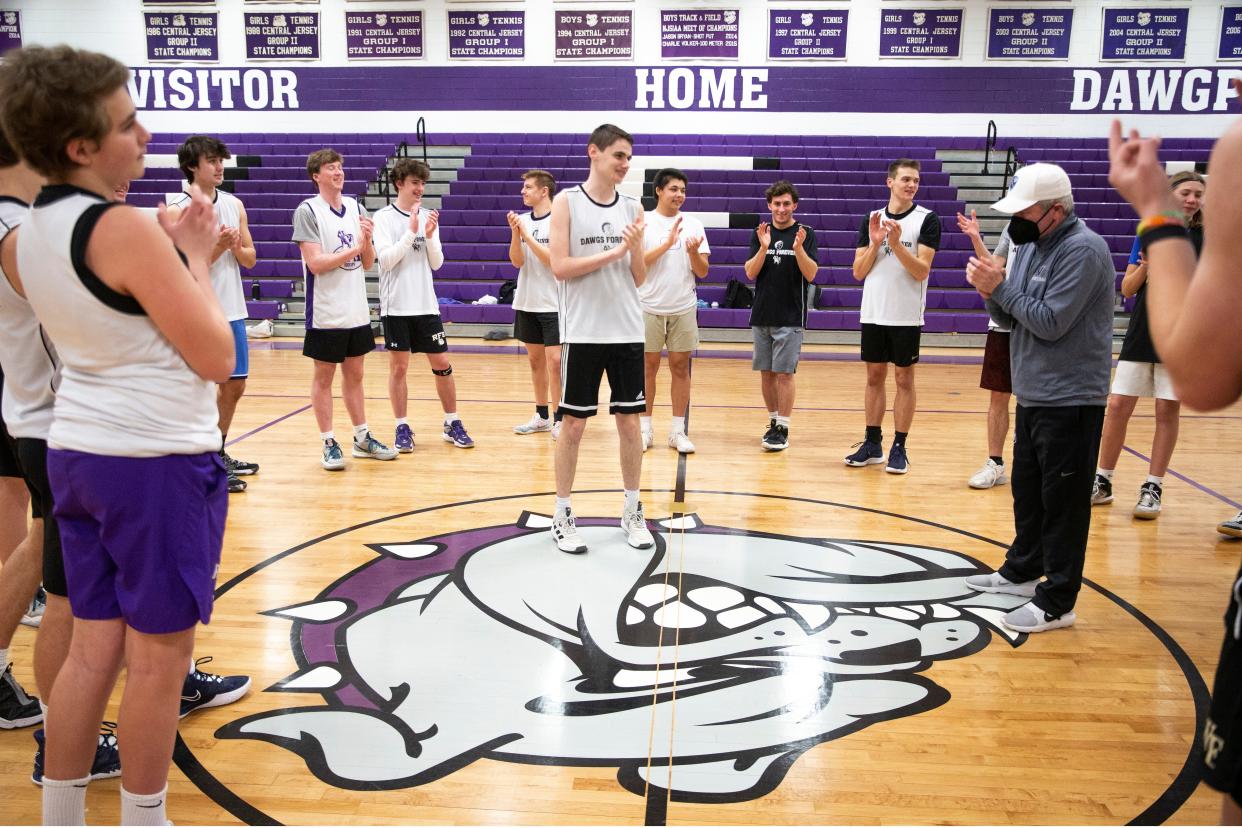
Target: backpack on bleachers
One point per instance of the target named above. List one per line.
(738, 295)
(507, 289)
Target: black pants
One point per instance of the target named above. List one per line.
(1054, 455)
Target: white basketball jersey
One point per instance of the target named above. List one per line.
(405, 289)
(536, 286)
(891, 296)
(31, 367)
(336, 299)
(125, 391)
(603, 305)
(225, 271)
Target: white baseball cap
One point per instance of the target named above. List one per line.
(1031, 184)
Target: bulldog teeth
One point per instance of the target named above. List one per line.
(766, 603)
(676, 615)
(633, 615)
(815, 615)
(651, 594)
(740, 617)
(898, 613)
(944, 611)
(410, 551)
(716, 598)
(322, 677)
(315, 611)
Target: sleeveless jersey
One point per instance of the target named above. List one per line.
(225, 271)
(891, 296)
(536, 286)
(31, 367)
(336, 299)
(405, 289)
(603, 305)
(125, 391)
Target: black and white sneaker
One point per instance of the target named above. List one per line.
(240, 468)
(777, 438)
(1148, 506)
(17, 707)
(769, 434)
(1101, 491)
(565, 534)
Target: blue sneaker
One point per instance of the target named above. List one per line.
(455, 433)
(869, 453)
(107, 762)
(333, 459)
(202, 690)
(370, 447)
(898, 463)
(404, 441)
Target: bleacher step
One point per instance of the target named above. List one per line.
(974, 166)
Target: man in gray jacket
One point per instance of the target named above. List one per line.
(1058, 300)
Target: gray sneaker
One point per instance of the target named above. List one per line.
(370, 447)
(1148, 506)
(333, 457)
(995, 583)
(1029, 618)
(1231, 527)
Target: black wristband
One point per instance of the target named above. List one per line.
(1164, 231)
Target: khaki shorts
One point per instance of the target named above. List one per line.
(678, 332)
(1143, 379)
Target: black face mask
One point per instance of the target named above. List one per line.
(1024, 231)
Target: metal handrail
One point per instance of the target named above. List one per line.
(1011, 167)
(420, 132)
(987, 146)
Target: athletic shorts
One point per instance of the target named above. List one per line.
(33, 457)
(776, 349)
(537, 328)
(9, 467)
(898, 344)
(583, 364)
(338, 344)
(241, 350)
(995, 375)
(422, 334)
(1221, 741)
(1143, 379)
(141, 535)
(679, 332)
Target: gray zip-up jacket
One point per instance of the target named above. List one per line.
(1058, 302)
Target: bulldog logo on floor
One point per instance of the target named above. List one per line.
(490, 644)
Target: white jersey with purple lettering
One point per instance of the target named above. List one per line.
(406, 262)
(603, 305)
(225, 271)
(125, 391)
(536, 286)
(336, 299)
(27, 355)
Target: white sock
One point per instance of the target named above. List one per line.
(4, 659)
(678, 426)
(1159, 481)
(144, 809)
(64, 801)
(193, 666)
(43, 709)
(450, 418)
(644, 422)
(631, 499)
(360, 432)
(782, 421)
(562, 506)
(327, 435)
(403, 421)
(772, 415)
(1107, 474)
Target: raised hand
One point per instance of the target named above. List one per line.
(673, 233)
(229, 238)
(875, 230)
(892, 231)
(195, 231)
(799, 238)
(984, 275)
(515, 222)
(693, 243)
(1136, 172)
(764, 232)
(632, 237)
(366, 228)
(969, 226)
(433, 221)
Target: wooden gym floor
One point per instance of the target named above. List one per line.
(799, 642)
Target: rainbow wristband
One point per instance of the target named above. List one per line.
(1165, 219)
(1160, 232)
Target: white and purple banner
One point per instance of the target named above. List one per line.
(185, 36)
(598, 34)
(699, 33)
(178, 2)
(921, 33)
(383, 34)
(282, 35)
(1029, 34)
(10, 30)
(1044, 89)
(487, 35)
(1231, 33)
(807, 34)
(1153, 33)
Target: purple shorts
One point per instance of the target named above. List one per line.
(141, 535)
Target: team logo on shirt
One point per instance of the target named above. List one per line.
(485, 644)
(777, 249)
(607, 236)
(344, 242)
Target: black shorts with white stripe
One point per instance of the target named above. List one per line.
(584, 364)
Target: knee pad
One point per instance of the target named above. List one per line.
(442, 373)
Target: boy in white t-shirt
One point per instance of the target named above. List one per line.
(676, 252)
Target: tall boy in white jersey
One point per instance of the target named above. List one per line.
(893, 260)
(408, 248)
(535, 302)
(334, 235)
(675, 252)
(596, 249)
(201, 158)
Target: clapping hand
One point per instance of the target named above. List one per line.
(764, 233)
(969, 226)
